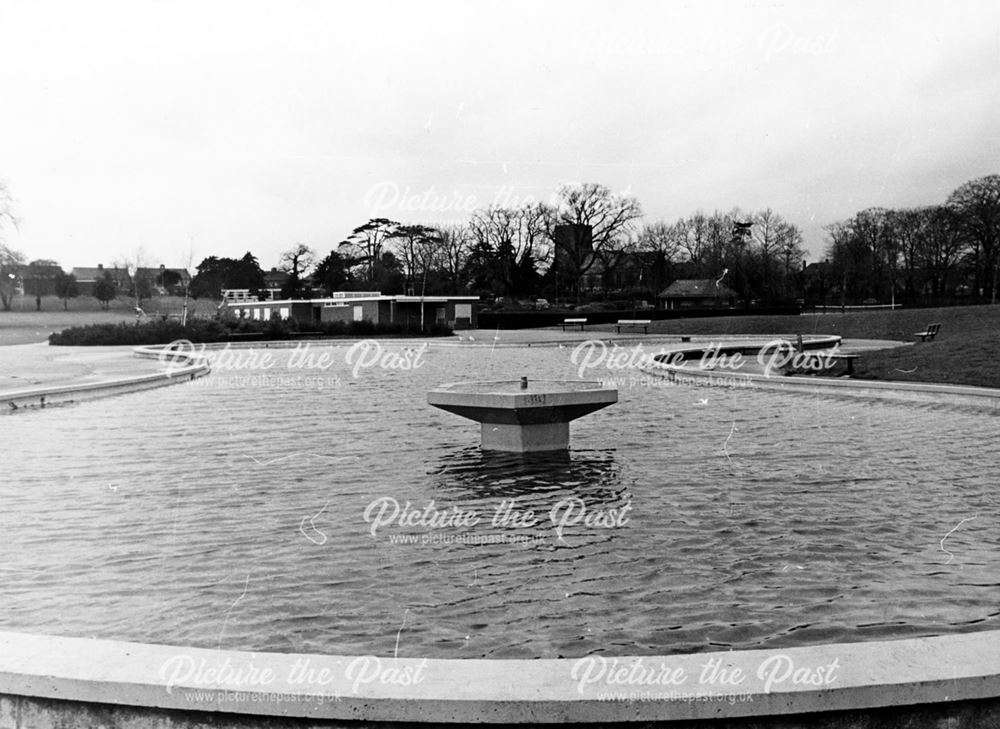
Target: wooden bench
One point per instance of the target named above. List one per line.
(848, 358)
(574, 322)
(932, 330)
(644, 323)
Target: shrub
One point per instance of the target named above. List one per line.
(215, 330)
(152, 332)
(363, 328)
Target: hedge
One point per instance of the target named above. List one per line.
(214, 330)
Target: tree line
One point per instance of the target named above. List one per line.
(589, 242)
(934, 254)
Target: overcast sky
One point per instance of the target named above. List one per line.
(212, 128)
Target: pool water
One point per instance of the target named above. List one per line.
(332, 510)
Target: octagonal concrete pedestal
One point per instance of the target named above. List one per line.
(523, 416)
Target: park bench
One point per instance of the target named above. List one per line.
(848, 359)
(644, 323)
(573, 322)
(930, 333)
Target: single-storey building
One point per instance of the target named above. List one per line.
(706, 293)
(458, 312)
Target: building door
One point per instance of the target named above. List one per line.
(359, 313)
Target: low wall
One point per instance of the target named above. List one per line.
(979, 398)
(178, 366)
(534, 319)
(51, 681)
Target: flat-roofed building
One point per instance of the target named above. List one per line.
(409, 312)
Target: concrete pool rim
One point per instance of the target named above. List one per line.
(837, 677)
(179, 366)
(984, 398)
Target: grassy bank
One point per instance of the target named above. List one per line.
(24, 325)
(966, 352)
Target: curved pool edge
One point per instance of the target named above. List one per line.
(938, 675)
(983, 398)
(179, 366)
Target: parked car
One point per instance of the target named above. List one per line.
(542, 304)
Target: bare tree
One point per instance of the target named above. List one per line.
(660, 246)
(417, 250)
(297, 260)
(942, 249)
(11, 261)
(365, 243)
(138, 285)
(454, 246)
(765, 232)
(774, 237)
(611, 218)
(908, 230)
(663, 238)
(695, 240)
(978, 205)
(864, 254)
(510, 244)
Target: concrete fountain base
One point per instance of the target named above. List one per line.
(523, 417)
(524, 438)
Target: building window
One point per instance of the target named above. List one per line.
(359, 313)
(463, 311)
(283, 312)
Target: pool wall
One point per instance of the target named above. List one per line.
(980, 398)
(951, 681)
(179, 366)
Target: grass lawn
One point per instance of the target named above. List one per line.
(965, 352)
(23, 325)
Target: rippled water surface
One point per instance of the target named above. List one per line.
(232, 512)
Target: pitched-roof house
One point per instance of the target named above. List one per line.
(87, 276)
(163, 279)
(701, 293)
